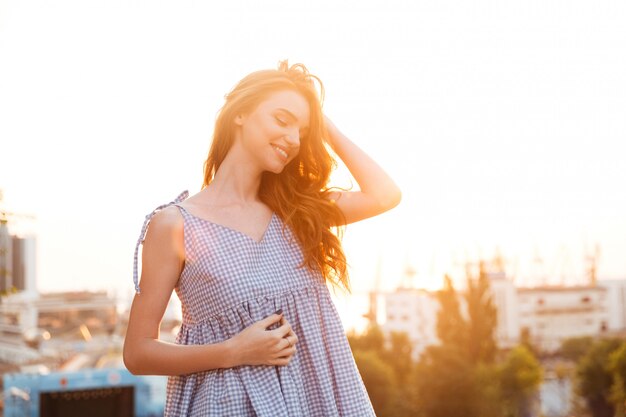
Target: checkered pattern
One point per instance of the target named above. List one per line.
(231, 281)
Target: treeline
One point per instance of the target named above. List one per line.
(599, 372)
(467, 375)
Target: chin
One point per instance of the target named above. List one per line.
(277, 168)
(274, 168)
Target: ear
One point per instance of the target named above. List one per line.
(239, 119)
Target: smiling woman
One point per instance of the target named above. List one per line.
(272, 124)
(250, 256)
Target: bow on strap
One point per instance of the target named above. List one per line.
(142, 236)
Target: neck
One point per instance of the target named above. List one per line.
(237, 181)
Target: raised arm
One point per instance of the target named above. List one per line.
(145, 354)
(378, 193)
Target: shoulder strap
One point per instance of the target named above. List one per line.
(182, 196)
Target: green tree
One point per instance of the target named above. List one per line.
(370, 352)
(446, 384)
(617, 367)
(489, 403)
(371, 339)
(595, 379)
(527, 342)
(520, 376)
(460, 377)
(378, 377)
(451, 327)
(398, 356)
(482, 318)
(451, 379)
(575, 348)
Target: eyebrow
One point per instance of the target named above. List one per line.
(293, 116)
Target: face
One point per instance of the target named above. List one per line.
(271, 133)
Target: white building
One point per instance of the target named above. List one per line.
(616, 301)
(17, 261)
(548, 315)
(552, 314)
(24, 263)
(505, 298)
(414, 312)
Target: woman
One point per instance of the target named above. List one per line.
(249, 257)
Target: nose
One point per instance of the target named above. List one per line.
(293, 138)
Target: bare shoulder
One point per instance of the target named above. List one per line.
(166, 226)
(168, 218)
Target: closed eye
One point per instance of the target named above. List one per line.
(281, 121)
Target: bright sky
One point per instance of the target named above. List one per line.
(502, 122)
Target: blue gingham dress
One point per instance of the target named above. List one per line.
(230, 281)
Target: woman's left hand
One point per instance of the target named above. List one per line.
(378, 191)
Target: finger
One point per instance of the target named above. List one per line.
(283, 330)
(279, 348)
(271, 319)
(293, 338)
(286, 351)
(280, 332)
(280, 362)
(286, 354)
(287, 344)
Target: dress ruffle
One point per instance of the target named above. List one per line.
(231, 281)
(272, 391)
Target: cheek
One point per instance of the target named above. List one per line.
(255, 130)
(266, 129)
(296, 155)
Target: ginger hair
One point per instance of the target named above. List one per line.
(299, 195)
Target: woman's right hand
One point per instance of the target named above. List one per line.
(255, 345)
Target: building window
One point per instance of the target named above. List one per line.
(603, 327)
(586, 299)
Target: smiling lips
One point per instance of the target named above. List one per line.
(281, 151)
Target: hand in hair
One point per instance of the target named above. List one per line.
(378, 192)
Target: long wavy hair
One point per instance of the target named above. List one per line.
(300, 193)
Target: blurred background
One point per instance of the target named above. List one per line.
(500, 121)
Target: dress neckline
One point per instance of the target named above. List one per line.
(230, 229)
